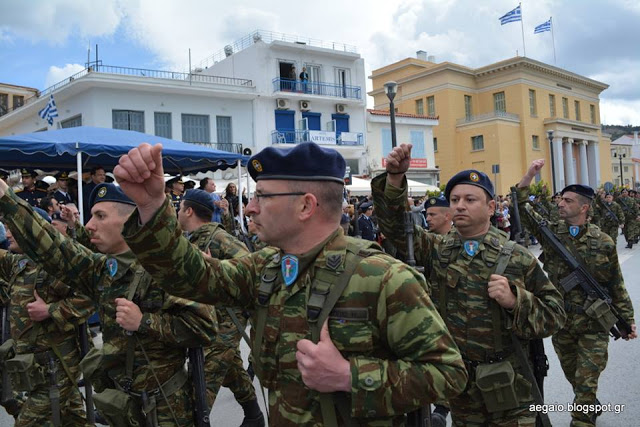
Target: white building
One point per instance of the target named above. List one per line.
(625, 161)
(410, 128)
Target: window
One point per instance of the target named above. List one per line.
(223, 129)
(419, 106)
(162, 123)
(477, 143)
(565, 108)
(435, 144)
(386, 141)
(535, 142)
(18, 101)
(533, 110)
(468, 112)
(626, 169)
(195, 128)
(73, 122)
(128, 120)
(4, 104)
(417, 140)
(615, 169)
(499, 104)
(552, 105)
(576, 104)
(592, 110)
(431, 105)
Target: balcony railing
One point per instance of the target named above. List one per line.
(317, 88)
(222, 146)
(298, 136)
(488, 116)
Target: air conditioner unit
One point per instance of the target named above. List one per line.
(282, 104)
(341, 108)
(305, 105)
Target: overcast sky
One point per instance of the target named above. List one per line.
(45, 41)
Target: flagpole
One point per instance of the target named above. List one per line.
(524, 49)
(553, 41)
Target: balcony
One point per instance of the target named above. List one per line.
(222, 146)
(317, 88)
(494, 115)
(320, 137)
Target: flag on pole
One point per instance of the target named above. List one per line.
(513, 16)
(546, 26)
(49, 111)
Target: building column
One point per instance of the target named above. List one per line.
(593, 157)
(569, 173)
(558, 172)
(636, 167)
(584, 167)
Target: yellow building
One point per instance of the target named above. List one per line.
(502, 114)
(12, 97)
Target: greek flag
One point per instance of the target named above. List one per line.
(546, 26)
(512, 16)
(49, 111)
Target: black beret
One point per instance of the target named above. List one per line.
(57, 216)
(365, 206)
(4, 174)
(200, 197)
(62, 175)
(580, 189)
(28, 172)
(304, 162)
(471, 177)
(107, 192)
(436, 202)
(43, 214)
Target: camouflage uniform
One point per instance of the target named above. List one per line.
(458, 287)
(168, 324)
(56, 335)
(611, 216)
(223, 363)
(401, 355)
(630, 209)
(582, 345)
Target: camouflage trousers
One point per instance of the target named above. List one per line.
(630, 230)
(611, 231)
(582, 350)
(223, 366)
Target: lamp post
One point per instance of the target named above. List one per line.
(390, 89)
(553, 166)
(620, 156)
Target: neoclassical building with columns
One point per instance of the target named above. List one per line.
(500, 117)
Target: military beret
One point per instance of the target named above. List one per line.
(304, 162)
(436, 202)
(580, 189)
(62, 175)
(106, 192)
(43, 214)
(4, 174)
(365, 206)
(200, 197)
(28, 172)
(57, 216)
(471, 177)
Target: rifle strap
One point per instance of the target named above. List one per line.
(610, 211)
(574, 251)
(131, 344)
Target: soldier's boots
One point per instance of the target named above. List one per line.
(629, 245)
(253, 416)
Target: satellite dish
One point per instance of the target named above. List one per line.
(608, 186)
(246, 151)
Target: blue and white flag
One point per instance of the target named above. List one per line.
(512, 16)
(49, 111)
(546, 26)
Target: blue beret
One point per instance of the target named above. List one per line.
(107, 192)
(471, 177)
(304, 162)
(43, 214)
(200, 197)
(436, 202)
(580, 189)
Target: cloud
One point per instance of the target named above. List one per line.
(620, 112)
(57, 74)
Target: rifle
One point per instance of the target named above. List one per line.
(54, 392)
(88, 390)
(196, 364)
(6, 382)
(516, 226)
(580, 276)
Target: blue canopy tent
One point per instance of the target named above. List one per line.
(82, 147)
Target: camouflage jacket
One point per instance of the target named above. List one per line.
(538, 312)
(595, 248)
(221, 245)
(629, 207)
(169, 324)
(401, 355)
(608, 215)
(67, 307)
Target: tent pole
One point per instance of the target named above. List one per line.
(240, 207)
(79, 169)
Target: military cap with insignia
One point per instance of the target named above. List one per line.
(175, 179)
(471, 177)
(304, 162)
(436, 202)
(28, 172)
(62, 176)
(365, 206)
(580, 189)
(107, 192)
(200, 197)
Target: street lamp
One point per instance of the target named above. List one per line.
(391, 88)
(620, 156)
(553, 166)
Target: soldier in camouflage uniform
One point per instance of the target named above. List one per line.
(223, 362)
(631, 213)
(582, 344)
(45, 315)
(611, 216)
(383, 351)
(475, 303)
(135, 313)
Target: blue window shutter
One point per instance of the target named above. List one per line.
(342, 123)
(386, 142)
(285, 120)
(313, 120)
(417, 140)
